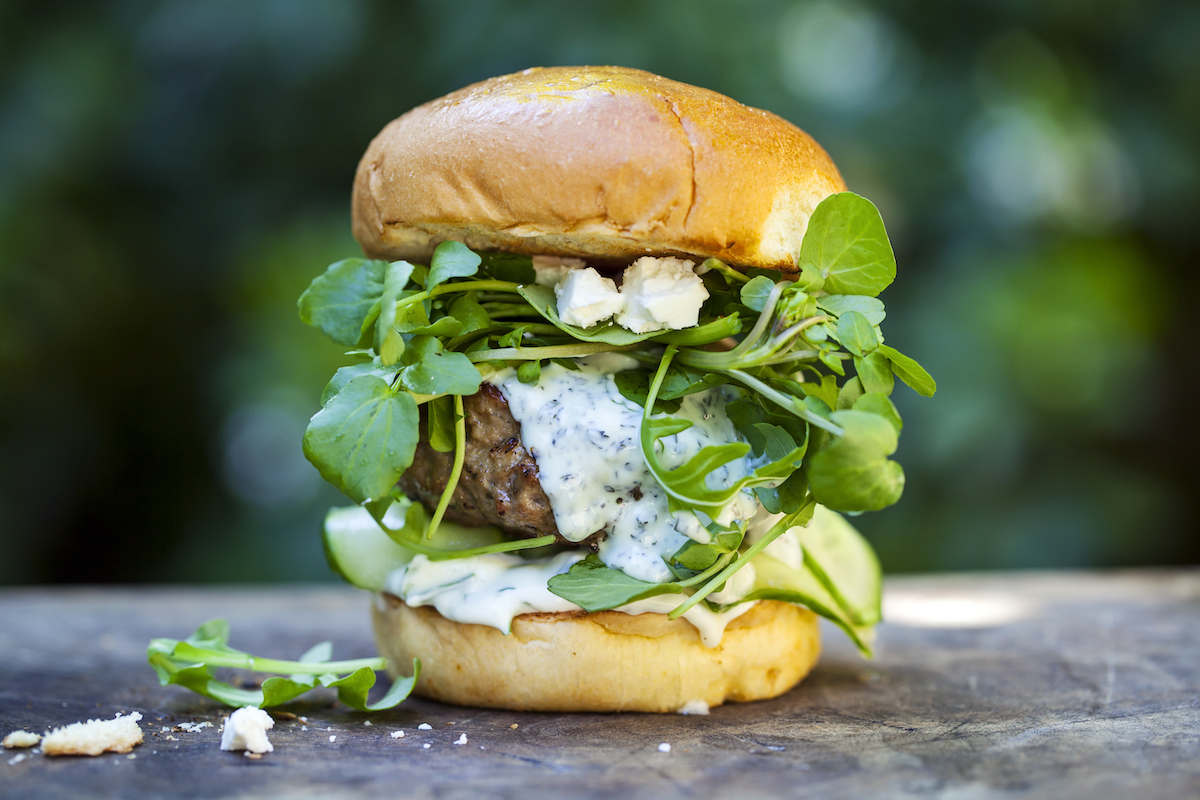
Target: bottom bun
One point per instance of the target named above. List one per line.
(602, 661)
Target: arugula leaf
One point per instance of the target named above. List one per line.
(343, 300)
(856, 334)
(430, 369)
(854, 473)
(364, 438)
(838, 304)
(910, 371)
(594, 587)
(451, 260)
(847, 245)
(680, 381)
(698, 557)
(191, 663)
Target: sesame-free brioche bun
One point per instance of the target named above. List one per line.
(599, 661)
(602, 163)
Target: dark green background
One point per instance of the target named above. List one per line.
(173, 174)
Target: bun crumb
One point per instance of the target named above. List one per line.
(118, 735)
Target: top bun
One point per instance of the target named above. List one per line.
(603, 163)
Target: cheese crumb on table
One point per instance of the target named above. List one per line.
(332, 739)
(118, 735)
(697, 707)
(586, 298)
(397, 734)
(20, 739)
(424, 726)
(660, 294)
(246, 729)
(461, 739)
(17, 759)
(426, 745)
(665, 747)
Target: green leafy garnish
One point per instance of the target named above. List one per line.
(846, 245)
(592, 586)
(192, 663)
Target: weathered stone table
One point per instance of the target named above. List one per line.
(1053, 685)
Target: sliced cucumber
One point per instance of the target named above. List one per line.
(362, 553)
(841, 558)
(359, 550)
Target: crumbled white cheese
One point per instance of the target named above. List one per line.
(661, 293)
(585, 298)
(424, 726)
(194, 727)
(426, 746)
(665, 747)
(246, 729)
(738, 586)
(20, 739)
(368, 723)
(397, 734)
(550, 269)
(697, 708)
(461, 739)
(17, 759)
(332, 739)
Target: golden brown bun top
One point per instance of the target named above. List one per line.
(606, 162)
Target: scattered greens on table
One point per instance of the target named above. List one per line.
(191, 663)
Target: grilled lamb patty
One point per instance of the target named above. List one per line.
(499, 482)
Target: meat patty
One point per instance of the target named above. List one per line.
(499, 483)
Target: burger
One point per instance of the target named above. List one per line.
(614, 368)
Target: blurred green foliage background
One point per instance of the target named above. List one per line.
(173, 174)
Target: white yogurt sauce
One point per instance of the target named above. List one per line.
(584, 436)
(492, 589)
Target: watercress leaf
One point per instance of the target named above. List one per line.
(853, 473)
(856, 334)
(910, 371)
(364, 438)
(826, 391)
(875, 373)
(755, 293)
(508, 267)
(697, 557)
(469, 313)
(830, 359)
(515, 337)
(850, 391)
(345, 374)
(339, 301)
(388, 340)
(451, 260)
(869, 307)
(786, 498)
(440, 422)
(530, 372)
(847, 244)
(881, 404)
(818, 406)
(592, 586)
(431, 369)
(544, 302)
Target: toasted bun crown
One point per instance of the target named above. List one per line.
(602, 661)
(605, 163)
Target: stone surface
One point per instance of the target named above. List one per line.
(1053, 685)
